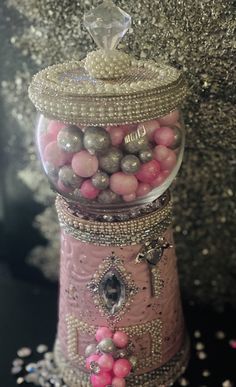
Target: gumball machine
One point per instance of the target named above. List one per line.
(111, 139)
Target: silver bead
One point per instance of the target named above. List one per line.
(136, 145)
(133, 360)
(110, 162)
(100, 180)
(106, 346)
(120, 353)
(96, 139)
(69, 178)
(130, 164)
(145, 155)
(90, 349)
(177, 138)
(108, 197)
(70, 139)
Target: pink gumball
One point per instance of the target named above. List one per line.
(123, 184)
(103, 333)
(129, 198)
(120, 339)
(54, 128)
(44, 139)
(148, 171)
(164, 136)
(118, 382)
(55, 156)
(90, 359)
(62, 188)
(161, 152)
(143, 189)
(160, 179)
(106, 362)
(169, 162)
(117, 134)
(128, 128)
(122, 368)
(84, 164)
(169, 119)
(150, 127)
(88, 190)
(103, 379)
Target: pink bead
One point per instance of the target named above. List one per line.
(164, 136)
(122, 368)
(106, 362)
(103, 333)
(56, 156)
(54, 128)
(91, 358)
(118, 382)
(123, 184)
(161, 152)
(128, 128)
(160, 179)
(129, 198)
(143, 189)
(88, 190)
(120, 339)
(150, 127)
(84, 164)
(148, 171)
(169, 119)
(44, 140)
(62, 188)
(117, 134)
(103, 379)
(169, 162)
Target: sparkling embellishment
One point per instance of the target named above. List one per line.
(24, 352)
(41, 348)
(112, 288)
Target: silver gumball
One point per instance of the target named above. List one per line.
(145, 155)
(69, 178)
(90, 349)
(96, 139)
(136, 145)
(130, 164)
(133, 360)
(70, 139)
(108, 197)
(106, 346)
(177, 138)
(110, 162)
(100, 180)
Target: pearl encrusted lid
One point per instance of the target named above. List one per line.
(109, 87)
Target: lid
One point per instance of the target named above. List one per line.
(108, 87)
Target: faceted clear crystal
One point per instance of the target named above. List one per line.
(107, 24)
(112, 291)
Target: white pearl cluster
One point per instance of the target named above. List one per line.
(111, 64)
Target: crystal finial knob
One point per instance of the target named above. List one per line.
(107, 24)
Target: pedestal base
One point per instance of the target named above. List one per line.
(163, 376)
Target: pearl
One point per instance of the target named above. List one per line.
(145, 155)
(110, 162)
(106, 362)
(118, 382)
(103, 333)
(55, 156)
(130, 164)
(100, 180)
(122, 368)
(120, 339)
(84, 164)
(164, 136)
(92, 358)
(101, 380)
(68, 177)
(90, 349)
(70, 139)
(143, 189)
(148, 171)
(96, 139)
(123, 184)
(88, 191)
(169, 119)
(108, 197)
(106, 345)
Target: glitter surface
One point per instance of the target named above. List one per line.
(196, 36)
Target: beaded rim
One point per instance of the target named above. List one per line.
(67, 92)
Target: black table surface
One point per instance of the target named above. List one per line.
(29, 318)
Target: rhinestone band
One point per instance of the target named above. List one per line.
(131, 232)
(164, 376)
(67, 92)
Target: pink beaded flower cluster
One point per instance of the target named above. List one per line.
(110, 164)
(107, 360)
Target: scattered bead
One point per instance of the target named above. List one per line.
(24, 352)
(20, 380)
(18, 362)
(84, 164)
(16, 370)
(31, 366)
(96, 139)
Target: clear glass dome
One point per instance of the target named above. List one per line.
(112, 166)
